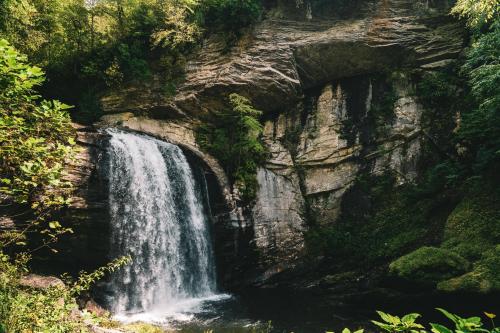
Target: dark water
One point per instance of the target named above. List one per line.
(284, 311)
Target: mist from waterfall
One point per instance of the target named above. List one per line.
(158, 218)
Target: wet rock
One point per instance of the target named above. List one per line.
(277, 217)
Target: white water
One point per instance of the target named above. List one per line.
(158, 219)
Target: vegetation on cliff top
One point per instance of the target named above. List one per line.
(87, 47)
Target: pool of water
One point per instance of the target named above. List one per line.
(272, 311)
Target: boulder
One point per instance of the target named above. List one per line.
(429, 265)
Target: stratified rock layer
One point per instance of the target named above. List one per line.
(315, 76)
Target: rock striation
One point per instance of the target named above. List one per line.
(317, 77)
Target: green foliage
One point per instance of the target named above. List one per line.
(429, 265)
(87, 47)
(484, 277)
(395, 324)
(86, 280)
(473, 231)
(42, 310)
(177, 27)
(229, 16)
(480, 125)
(465, 325)
(346, 330)
(471, 234)
(408, 324)
(36, 142)
(438, 89)
(234, 139)
(476, 12)
(143, 328)
(474, 225)
(383, 102)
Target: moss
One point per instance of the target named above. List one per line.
(142, 328)
(484, 278)
(429, 265)
(474, 226)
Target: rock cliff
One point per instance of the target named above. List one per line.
(323, 80)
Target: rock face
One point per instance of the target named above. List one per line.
(323, 82)
(88, 210)
(285, 56)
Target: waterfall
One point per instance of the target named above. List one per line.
(157, 217)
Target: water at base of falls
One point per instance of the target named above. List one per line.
(158, 218)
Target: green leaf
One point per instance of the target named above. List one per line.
(448, 315)
(410, 318)
(386, 327)
(54, 225)
(389, 318)
(437, 328)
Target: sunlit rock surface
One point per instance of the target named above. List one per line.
(314, 76)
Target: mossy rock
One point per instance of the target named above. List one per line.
(484, 278)
(473, 228)
(429, 265)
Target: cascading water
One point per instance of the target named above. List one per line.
(157, 218)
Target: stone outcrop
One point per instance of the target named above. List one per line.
(283, 57)
(315, 76)
(40, 282)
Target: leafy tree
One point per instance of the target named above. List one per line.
(36, 141)
(176, 27)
